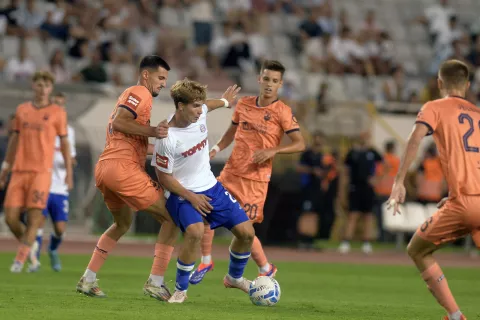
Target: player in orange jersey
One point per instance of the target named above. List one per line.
(258, 126)
(121, 177)
(454, 123)
(30, 157)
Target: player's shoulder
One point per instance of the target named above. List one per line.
(169, 142)
(250, 101)
(140, 91)
(24, 106)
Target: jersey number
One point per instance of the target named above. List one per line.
(251, 210)
(230, 196)
(462, 118)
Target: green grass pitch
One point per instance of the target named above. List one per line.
(309, 291)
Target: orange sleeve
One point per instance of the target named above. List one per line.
(61, 123)
(135, 100)
(236, 116)
(288, 121)
(429, 117)
(16, 122)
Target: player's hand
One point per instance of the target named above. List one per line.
(69, 181)
(442, 202)
(161, 131)
(231, 95)
(212, 154)
(260, 156)
(201, 203)
(396, 197)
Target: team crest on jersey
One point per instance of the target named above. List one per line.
(267, 116)
(161, 161)
(45, 117)
(203, 128)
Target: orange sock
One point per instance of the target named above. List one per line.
(258, 255)
(438, 285)
(163, 253)
(104, 245)
(22, 253)
(207, 241)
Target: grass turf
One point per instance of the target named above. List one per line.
(309, 291)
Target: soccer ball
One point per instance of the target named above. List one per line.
(264, 291)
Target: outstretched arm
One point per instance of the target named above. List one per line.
(228, 99)
(225, 141)
(124, 122)
(297, 144)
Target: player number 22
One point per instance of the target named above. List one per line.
(230, 196)
(466, 117)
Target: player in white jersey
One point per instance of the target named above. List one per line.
(194, 196)
(58, 204)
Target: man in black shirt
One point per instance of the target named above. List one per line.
(360, 163)
(312, 172)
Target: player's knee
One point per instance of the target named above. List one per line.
(194, 232)
(11, 221)
(245, 232)
(122, 227)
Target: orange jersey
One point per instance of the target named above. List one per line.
(137, 100)
(384, 183)
(258, 128)
(455, 125)
(37, 129)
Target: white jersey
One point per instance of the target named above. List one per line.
(59, 171)
(185, 155)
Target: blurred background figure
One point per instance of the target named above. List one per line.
(431, 184)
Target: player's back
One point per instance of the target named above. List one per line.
(137, 100)
(258, 128)
(455, 123)
(37, 129)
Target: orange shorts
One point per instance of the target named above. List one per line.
(28, 190)
(250, 194)
(126, 183)
(457, 218)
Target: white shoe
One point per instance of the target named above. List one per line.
(242, 283)
(367, 248)
(344, 247)
(178, 297)
(90, 289)
(16, 267)
(160, 293)
(34, 265)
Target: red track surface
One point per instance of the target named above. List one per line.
(144, 249)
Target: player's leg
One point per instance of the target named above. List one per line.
(28, 248)
(15, 201)
(444, 226)
(206, 264)
(12, 219)
(123, 218)
(368, 224)
(307, 225)
(240, 250)
(59, 207)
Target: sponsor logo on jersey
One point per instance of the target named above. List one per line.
(133, 101)
(254, 126)
(199, 146)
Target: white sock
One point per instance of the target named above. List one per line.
(157, 280)
(207, 259)
(265, 268)
(455, 316)
(90, 276)
(236, 280)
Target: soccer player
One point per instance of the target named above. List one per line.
(30, 157)
(121, 177)
(57, 204)
(193, 193)
(454, 123)
(258, 126)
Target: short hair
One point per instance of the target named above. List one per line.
(454, 74)
(43, 75)
(390, 145)
(187, 91)
(273, 65)
(153, 62)
(318, 133)
(59, 94)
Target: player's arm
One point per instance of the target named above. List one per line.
(7, 163)
(228, 99)
(124, 122)
(225, 141)
(297, 144)
(67, 159)
(150, 149)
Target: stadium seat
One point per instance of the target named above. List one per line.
(10, 47)
(356, 88)
(393, 223)
(313, 83)
(336, 88)
(430, 209)
(282, 43)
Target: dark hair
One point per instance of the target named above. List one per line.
(454, 74)
(273, 65)
(153, 62)
(390, 146)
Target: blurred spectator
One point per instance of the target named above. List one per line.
(8, 15)
(322, 98)
(316, 53)
(326, 21)
(309, 28)
(55, 24)
(330, 190)
(340, 50)
(20, 68)
(436, 18)
(143, 39)
(29, 18)
(360, 163)
(370, 27)
(395, 88)
(474, 54)
(95, 71)
(312, 172)
(430, 92)
(384, 178)
(201, 12)
(57, 67)
(383, 62)
(257, 42)
(431, 184)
